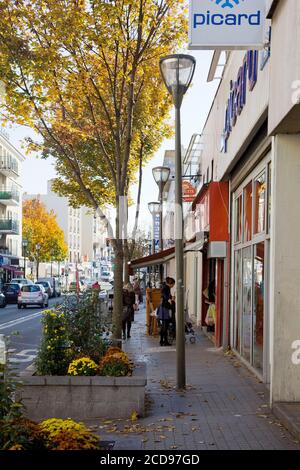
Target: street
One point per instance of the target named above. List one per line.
(24, 329)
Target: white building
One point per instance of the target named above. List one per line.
(10, 209)
(85, 234)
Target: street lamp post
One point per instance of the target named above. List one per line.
(161, 175)
(37, 247)
(24, 245)
(154, 209)
(177, 71)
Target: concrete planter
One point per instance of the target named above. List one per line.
(84, 397)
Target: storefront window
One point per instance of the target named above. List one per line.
(238, 298)
(248, 212)
(247, 303)
(258, 305)
(238, 219)
(260, 203)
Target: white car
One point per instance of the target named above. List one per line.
(21, 280)
(33, 295)
(107, 276)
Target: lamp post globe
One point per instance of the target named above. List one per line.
(177, 71)
(154, 208)
(161, 176)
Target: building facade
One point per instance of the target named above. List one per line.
(10, 210)
(85, 234)
(249, 189)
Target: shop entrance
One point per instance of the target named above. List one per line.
(250, 267)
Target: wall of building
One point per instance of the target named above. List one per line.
(284, 112)
(247, 122)
(285, 269)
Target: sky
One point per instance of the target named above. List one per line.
(194, 111)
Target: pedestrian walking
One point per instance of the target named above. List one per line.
(129, 307)
(137, 292)
(166, 310)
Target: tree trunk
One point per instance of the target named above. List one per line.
(118, 282)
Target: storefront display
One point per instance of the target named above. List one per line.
(250, 262)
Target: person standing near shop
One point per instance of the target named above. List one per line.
(137, 292)
(128, 309)
(166, 310)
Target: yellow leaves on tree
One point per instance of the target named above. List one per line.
(41, 230)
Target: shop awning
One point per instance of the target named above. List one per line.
(14, 269)
(164, 256)
(157, 258)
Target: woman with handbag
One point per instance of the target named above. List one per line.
(165, 310)
(128, 309)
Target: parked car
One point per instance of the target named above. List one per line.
(33, 295)
(11, 292)
(21, 280)
(47, 287)
(54, 283)
(73, 286)
(3, 301)
(107, 276)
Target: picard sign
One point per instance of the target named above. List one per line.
(227, 24)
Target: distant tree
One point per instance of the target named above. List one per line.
(45, 237)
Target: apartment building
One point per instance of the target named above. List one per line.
(10, 209)
(85, 234)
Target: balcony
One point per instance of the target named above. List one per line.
(9, 226)
(9, 166)
(9, 197)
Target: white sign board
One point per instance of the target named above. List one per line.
(227, 24)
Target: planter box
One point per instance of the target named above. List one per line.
(83, 398)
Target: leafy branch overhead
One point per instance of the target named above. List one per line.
(84, 75)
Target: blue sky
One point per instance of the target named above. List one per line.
(195, 107)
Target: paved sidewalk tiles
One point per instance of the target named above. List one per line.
(224, 406)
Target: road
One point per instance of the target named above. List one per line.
(26, 323)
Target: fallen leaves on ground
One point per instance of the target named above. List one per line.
(134, 416)
(165, 384)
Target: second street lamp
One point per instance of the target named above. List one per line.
(177, 71)
(161, 175)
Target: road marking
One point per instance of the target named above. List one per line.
(26, 353)
(11, 323)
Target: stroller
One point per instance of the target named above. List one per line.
(189, 332)
(188, 326)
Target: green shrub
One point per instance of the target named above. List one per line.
(85, 322)
(55, 352)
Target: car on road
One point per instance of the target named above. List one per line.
(54, 283)
(21, 280)
(34, 294)
(73, 286)
(11, 292)
(47, 287)
(3, 301)
(107, 276)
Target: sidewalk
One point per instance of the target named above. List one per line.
(224, 406)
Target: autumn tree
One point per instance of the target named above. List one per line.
(44, 236)
(84, 75)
